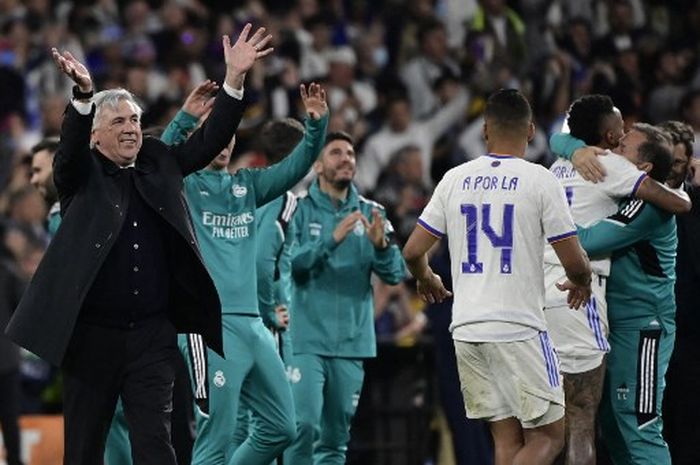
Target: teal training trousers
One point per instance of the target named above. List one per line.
(326, 393)
(252, 373)
(630, 409)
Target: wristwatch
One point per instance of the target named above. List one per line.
(80, 95)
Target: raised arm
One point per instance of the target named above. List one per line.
(227, 111)
(72, 160)
(663, 197)
(633, 222)
(583, 157)
(274, 181)
(448, 115)
(197, 105)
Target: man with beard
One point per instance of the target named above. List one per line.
(338, 239)
(42, 179)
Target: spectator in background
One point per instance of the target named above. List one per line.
(420, 73)
(665, 96)
(27, 209)
(496, 41)
(690, 112)
(349, 98)
(622, 33)
(683, 376)
(401, 130)
(401, 190)
(315, 46)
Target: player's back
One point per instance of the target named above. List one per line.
(497, 212)
(591, 202)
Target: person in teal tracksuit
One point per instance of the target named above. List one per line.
(277, 139)
(641, 311)
(339, 239)
(223, 208)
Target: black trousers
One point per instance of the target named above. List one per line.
(9, 415)
(682, 403)
(104, 363)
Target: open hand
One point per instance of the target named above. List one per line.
(200, 100)
(578, 295)
(346, 225)
(244, 53)
(375, 229)
(431, 289)
(585, 160)
(71, 67)
(314, 101)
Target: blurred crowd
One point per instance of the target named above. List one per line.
(407, 78)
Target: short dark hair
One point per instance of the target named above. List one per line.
(681, 133)
(279, 137)
(653, 134)
(586, 117)
(509, 110)
(48, 143)
(339, 135)
(660, 157)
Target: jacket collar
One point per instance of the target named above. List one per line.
(324, 200)
(143, 164)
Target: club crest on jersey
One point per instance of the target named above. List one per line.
(239, 191)
(293, 374)
(219, 379)
(315, 229)
(359, 228)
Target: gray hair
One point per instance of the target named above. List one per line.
(110, 99)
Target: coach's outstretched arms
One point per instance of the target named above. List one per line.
(578, 271)
(71, 160)
(428, 284)
(227, 110)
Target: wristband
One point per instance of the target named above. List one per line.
(80, 95)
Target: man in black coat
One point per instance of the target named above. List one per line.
(123, 273)
(10, 396)
(681, 401)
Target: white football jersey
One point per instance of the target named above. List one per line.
(497, 212)
(591, 202)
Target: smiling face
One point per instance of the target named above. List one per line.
(117, 134)
(336, 166)
(629, 145)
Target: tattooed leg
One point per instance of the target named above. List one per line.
(583, 392)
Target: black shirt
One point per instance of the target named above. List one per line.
(133, 283)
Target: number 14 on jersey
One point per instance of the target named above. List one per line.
(480, 219)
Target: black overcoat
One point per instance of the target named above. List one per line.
(93, 208)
